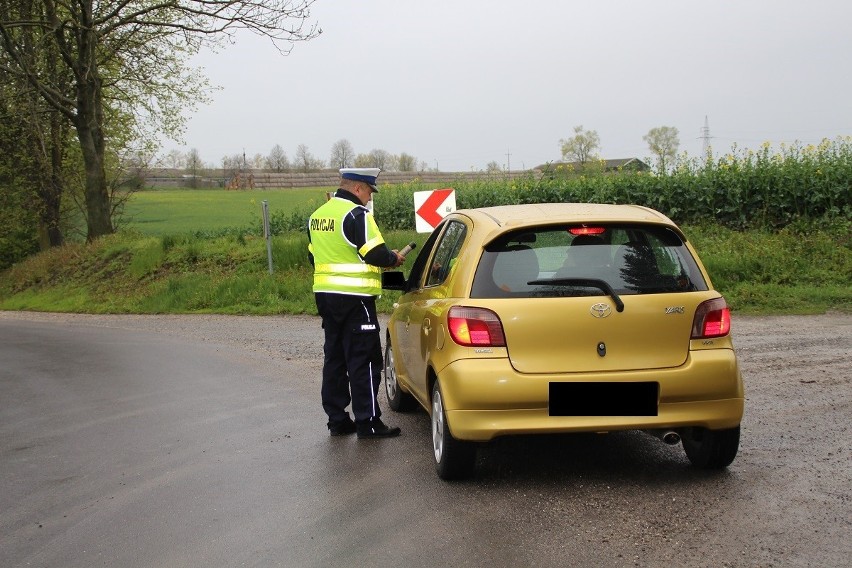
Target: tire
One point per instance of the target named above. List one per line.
(711, 449)
(398, 400)
(454, 459)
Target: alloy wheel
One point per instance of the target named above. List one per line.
(438, 425)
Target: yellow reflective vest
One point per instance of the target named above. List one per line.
(338, 267)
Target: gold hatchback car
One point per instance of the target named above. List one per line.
(563, 317)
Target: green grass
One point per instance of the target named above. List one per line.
(134, 273)
(759, 272)
(202, 251)
(792, 271)
(160, 212)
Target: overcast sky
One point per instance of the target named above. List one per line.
(461, 83)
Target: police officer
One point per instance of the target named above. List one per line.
(348, 253)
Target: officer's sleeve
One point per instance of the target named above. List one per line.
(381, 256)
(357, 227)
(310, 246)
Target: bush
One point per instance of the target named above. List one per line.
(741, 190)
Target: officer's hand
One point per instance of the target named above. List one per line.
(399, 258)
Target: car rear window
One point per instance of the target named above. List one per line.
(553, 261)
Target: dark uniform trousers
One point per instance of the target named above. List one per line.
(353, 356)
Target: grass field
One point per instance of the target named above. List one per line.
(171, 211)
(181, 256)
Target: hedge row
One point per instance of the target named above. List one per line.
(742, 190)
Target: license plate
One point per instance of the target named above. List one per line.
(604, 399)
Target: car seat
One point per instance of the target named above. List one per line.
(514, 267)
(588, 256)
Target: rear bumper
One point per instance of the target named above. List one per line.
(483, 425)
(486, 398)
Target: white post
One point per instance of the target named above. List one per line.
(266, 232)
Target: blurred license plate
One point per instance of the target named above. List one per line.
(604, 399)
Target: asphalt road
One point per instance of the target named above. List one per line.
(199, 441)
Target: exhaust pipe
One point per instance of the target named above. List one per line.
(669, 437)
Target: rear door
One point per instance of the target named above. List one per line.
(599, 298)
(587, 334)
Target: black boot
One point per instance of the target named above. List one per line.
(375, 428)
(341, 428)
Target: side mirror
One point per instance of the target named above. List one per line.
(393, 280)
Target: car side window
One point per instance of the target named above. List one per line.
(415, 277)
(446, 253)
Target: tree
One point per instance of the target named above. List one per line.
(38, 134)
(391, 163)
(493, 167)
(277, 159)
(381, 159)
(174, 160)
(232, 165)
(136, 168)
(342, 154)
(305, 161)
(663, 142)
(375, 159)
(130, 55)
(18, 218)
(407, 163)
(47, 140)
(257, 161)
(363, 161)
(194, 163)
(581, 147)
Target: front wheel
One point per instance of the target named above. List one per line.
(454, 459)
(711, 449)
(398, 400)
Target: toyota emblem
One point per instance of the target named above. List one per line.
(600, 310)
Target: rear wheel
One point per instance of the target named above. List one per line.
(397, 399)
(454, 459)
(711, 449)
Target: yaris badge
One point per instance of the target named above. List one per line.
(600, 310)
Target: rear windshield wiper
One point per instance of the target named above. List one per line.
(587, 282)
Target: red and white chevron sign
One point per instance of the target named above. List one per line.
(430, 208)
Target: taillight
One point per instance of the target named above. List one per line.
(712, 319)
(584, 230)
(475, 327)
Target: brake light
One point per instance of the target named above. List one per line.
(587, 230)
(475, 327)
(712, 319)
